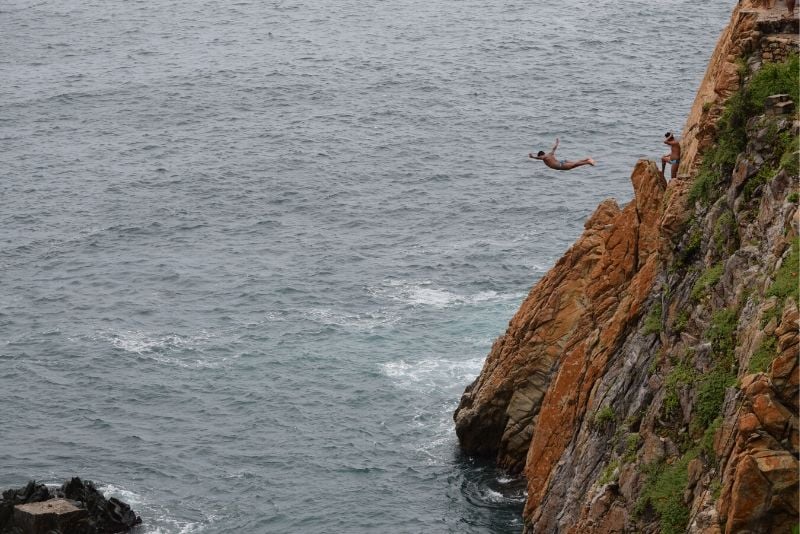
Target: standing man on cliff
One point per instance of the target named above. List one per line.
(674, 156)
(551, 161)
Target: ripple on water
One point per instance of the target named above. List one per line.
(251, 254)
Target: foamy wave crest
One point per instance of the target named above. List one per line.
(155, 519)
(494, 496)
(176, 527)
(159, 347)
(143, 342)
(126, 496)
(352, 321)
(426, 294)
(432, 373)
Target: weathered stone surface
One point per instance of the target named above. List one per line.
(774, 417)
(618, 272)
(56, 514)
(77, 507)
(559, 319)
(653, 449)
(720, 81)
(574, 395)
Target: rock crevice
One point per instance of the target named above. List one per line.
(649, 381)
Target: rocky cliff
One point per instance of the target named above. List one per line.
(649, 381)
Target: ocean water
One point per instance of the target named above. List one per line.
(252, 252)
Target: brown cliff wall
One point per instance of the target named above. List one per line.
(601, 281)
(649, 381)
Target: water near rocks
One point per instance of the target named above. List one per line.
(251, 253)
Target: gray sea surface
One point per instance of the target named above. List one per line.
(252, 252)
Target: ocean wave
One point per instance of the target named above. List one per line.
(140, 342)
(129, 497)
(425, 293)
(483, 342)
(432, 373)
(481, 488)
(352, 321)
(155, 519)
(159, 348)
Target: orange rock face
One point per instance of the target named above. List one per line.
(579, 347)
(720, 81)
(761, 474)
(537, 379)
(619, 283)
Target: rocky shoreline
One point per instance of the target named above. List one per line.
(649, 382)
(77, 507)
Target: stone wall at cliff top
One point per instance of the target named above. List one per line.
(649, 381)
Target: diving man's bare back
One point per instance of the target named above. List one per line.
(551, 161)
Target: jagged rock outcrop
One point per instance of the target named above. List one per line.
(649, 381)
(77, 508)
(749, 26)
(557, 336)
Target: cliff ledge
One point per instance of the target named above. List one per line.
(649, 382)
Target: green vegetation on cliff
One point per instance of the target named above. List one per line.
(763, 356)
(695, 384)
(785, 284)
(663, 491)
(719, 161)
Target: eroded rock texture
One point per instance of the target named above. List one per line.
(569, 324)
(649, 381)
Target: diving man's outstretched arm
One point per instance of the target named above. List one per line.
(555, 146)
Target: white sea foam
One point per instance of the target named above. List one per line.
(495, 496)
(540, 267)
(156, 519)
(352, 321)
(432, 373)
(159, 347)
(429, 296)
(425, 293)
(126, 496)
(143, 342)
(439, 449)
(176, 527)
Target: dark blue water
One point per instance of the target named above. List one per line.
(251, 253)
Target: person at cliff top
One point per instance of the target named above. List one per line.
(674, 156)
(551, 161)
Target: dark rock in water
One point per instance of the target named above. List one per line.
(75, 508)
(109, 515)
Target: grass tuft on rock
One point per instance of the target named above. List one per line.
(722, 333)
(707, 281)
(603, 416)
(718, 162)
(663, 491)
(711, 395)
(763, 355)
(786, 278)
(680, 375)
(681, 322)
(652, 323)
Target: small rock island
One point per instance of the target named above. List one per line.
(77, 507)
